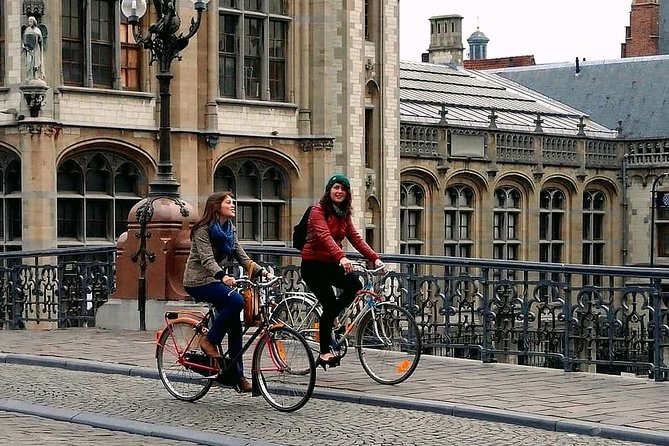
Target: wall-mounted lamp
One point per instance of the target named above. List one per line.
(211, 140)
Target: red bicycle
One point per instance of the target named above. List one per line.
(283, 367)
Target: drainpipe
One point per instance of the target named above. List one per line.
(624, 204)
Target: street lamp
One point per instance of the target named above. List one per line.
(164, 42)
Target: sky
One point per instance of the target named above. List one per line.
(551, 31)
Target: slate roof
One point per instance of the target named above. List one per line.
(634, 90)
(469, 96)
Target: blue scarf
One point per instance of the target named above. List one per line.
(222, 236)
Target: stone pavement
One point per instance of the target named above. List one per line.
(624, 408)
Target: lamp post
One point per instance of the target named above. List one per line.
(653, 204)
(164, 41)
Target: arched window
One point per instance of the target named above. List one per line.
(506, 224)
(458, 219)
(551, 225)
(10, 202)
(412, 208)
(594, 219)
(258, 187)
(95, 194)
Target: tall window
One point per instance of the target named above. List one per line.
(252, 57)
(227, 59)
(551, 222)
(90, 62)
(505, 227)
(277, 60)
(252, 49)
(10, 202)
(412, 208)
(130, 57)
(95, 195)
(593, 227)
(662, 224)
(458, 218)
(258, 188)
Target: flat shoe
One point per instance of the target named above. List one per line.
(243, 385)
(209, 349)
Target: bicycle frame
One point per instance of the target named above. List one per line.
(368, 305)
(202, 319)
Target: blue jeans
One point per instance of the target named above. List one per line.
(229, 304)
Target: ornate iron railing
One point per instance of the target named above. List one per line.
(603, 319)
(574, 317)
(60, 286)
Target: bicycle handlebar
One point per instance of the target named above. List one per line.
(245, 281)
(362, 267)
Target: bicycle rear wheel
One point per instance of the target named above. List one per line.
(388, 343)
(302, 315)
(187, 383)
(284, 369)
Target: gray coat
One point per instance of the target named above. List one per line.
(202, 267)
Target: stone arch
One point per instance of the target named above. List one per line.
(562, 181)
(521, 180)
(287, 164)
(119, 147)
(421, 175)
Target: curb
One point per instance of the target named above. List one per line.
(554, 424)
(128, 426)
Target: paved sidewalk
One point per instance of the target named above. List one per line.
(624, 408)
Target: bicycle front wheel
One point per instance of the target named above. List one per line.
(388, 343)
(302, 314)
(177, 347)
(284, 369)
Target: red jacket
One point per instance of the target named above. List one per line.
(324, 238)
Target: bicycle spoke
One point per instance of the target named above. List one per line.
(388, 343)
(178, 358)
(283, 369)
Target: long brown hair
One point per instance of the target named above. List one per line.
(328, 204)
(212, 209)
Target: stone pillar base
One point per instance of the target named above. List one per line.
(122, 314)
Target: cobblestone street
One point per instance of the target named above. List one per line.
(226, 413)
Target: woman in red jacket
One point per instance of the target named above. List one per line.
(324, 263)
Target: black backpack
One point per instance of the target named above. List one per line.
(300, 231)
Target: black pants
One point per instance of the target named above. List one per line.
(320, 277)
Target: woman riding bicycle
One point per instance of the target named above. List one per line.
(324, 263)
(214, 241)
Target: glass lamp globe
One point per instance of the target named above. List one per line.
(133, 9)
(200, 5)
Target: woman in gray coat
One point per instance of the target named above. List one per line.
(214, 240)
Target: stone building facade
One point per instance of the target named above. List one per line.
(269, 99)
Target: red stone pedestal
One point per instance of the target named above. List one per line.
(168, 240)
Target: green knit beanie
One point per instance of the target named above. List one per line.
(338, 178)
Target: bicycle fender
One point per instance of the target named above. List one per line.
(159, 333)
